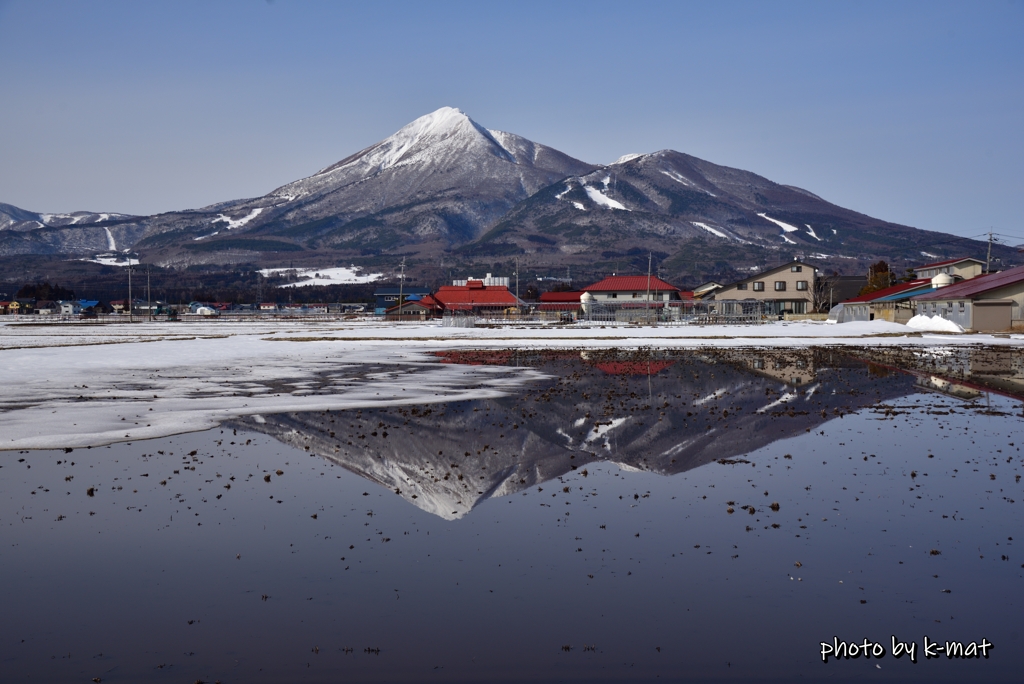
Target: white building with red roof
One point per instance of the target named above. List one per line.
(618, 289)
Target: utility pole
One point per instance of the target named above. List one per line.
(517, 283)
(149, 299)
(130, 313)
(649, 257)
(401, 290)
(988, 259)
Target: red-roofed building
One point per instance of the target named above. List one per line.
(621, 289)
(420, 308)
(476, 297)
(560, 301)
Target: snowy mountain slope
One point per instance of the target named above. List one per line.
(445, 188)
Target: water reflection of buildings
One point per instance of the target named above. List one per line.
(664, 412)
(962, 373)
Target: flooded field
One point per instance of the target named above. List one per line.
(697, 515)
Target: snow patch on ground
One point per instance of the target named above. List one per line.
(324, 276)
(599, 197)
(579, 205)
(601, 432)
(786, 238)
(112, 261)
(568, 188)
(626, 158)
(781, 224)
(810, 231)
(933, 324)
(713, 231)
(679, 178)
(238, 223)
(111, 244)
(71, 385)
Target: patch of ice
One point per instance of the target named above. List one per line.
(933, 324)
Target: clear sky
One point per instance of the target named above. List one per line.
(908, 111)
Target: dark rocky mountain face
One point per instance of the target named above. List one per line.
(445, 190)
(665, 412)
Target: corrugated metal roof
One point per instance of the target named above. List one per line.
(631, 283)
(978, 285)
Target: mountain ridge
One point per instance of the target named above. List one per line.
(445, 189)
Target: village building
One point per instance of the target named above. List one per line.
(986, 303)
(5, 308)
(888, 304)
(963, 268)
(618, 289)
(70, 308)
(476, 297)
(387, 297)
(558, 305)
(784, 289)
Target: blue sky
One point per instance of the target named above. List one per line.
(907, 111)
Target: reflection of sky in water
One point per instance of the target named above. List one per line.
(637, 554)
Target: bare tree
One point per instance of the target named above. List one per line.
(825, 291)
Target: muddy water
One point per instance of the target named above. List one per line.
(682, 516)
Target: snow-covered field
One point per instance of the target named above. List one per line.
(325, 276)
(79, 384)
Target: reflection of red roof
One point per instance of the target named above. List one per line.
(633, 283)
(946, 263)
(885, 292)
(475, 294)
(977, 285)
(561, 296)
(633, 367)
(475, 358)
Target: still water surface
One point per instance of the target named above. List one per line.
(695, 515)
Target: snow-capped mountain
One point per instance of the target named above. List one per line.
(446, 187)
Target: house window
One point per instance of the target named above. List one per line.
(741, 286)
(613, 295)
(796, 269)
(759, 286)
(635, 295)
(961, 306)
(780, 285)
(801, 284)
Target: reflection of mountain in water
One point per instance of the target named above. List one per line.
(665, 412)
